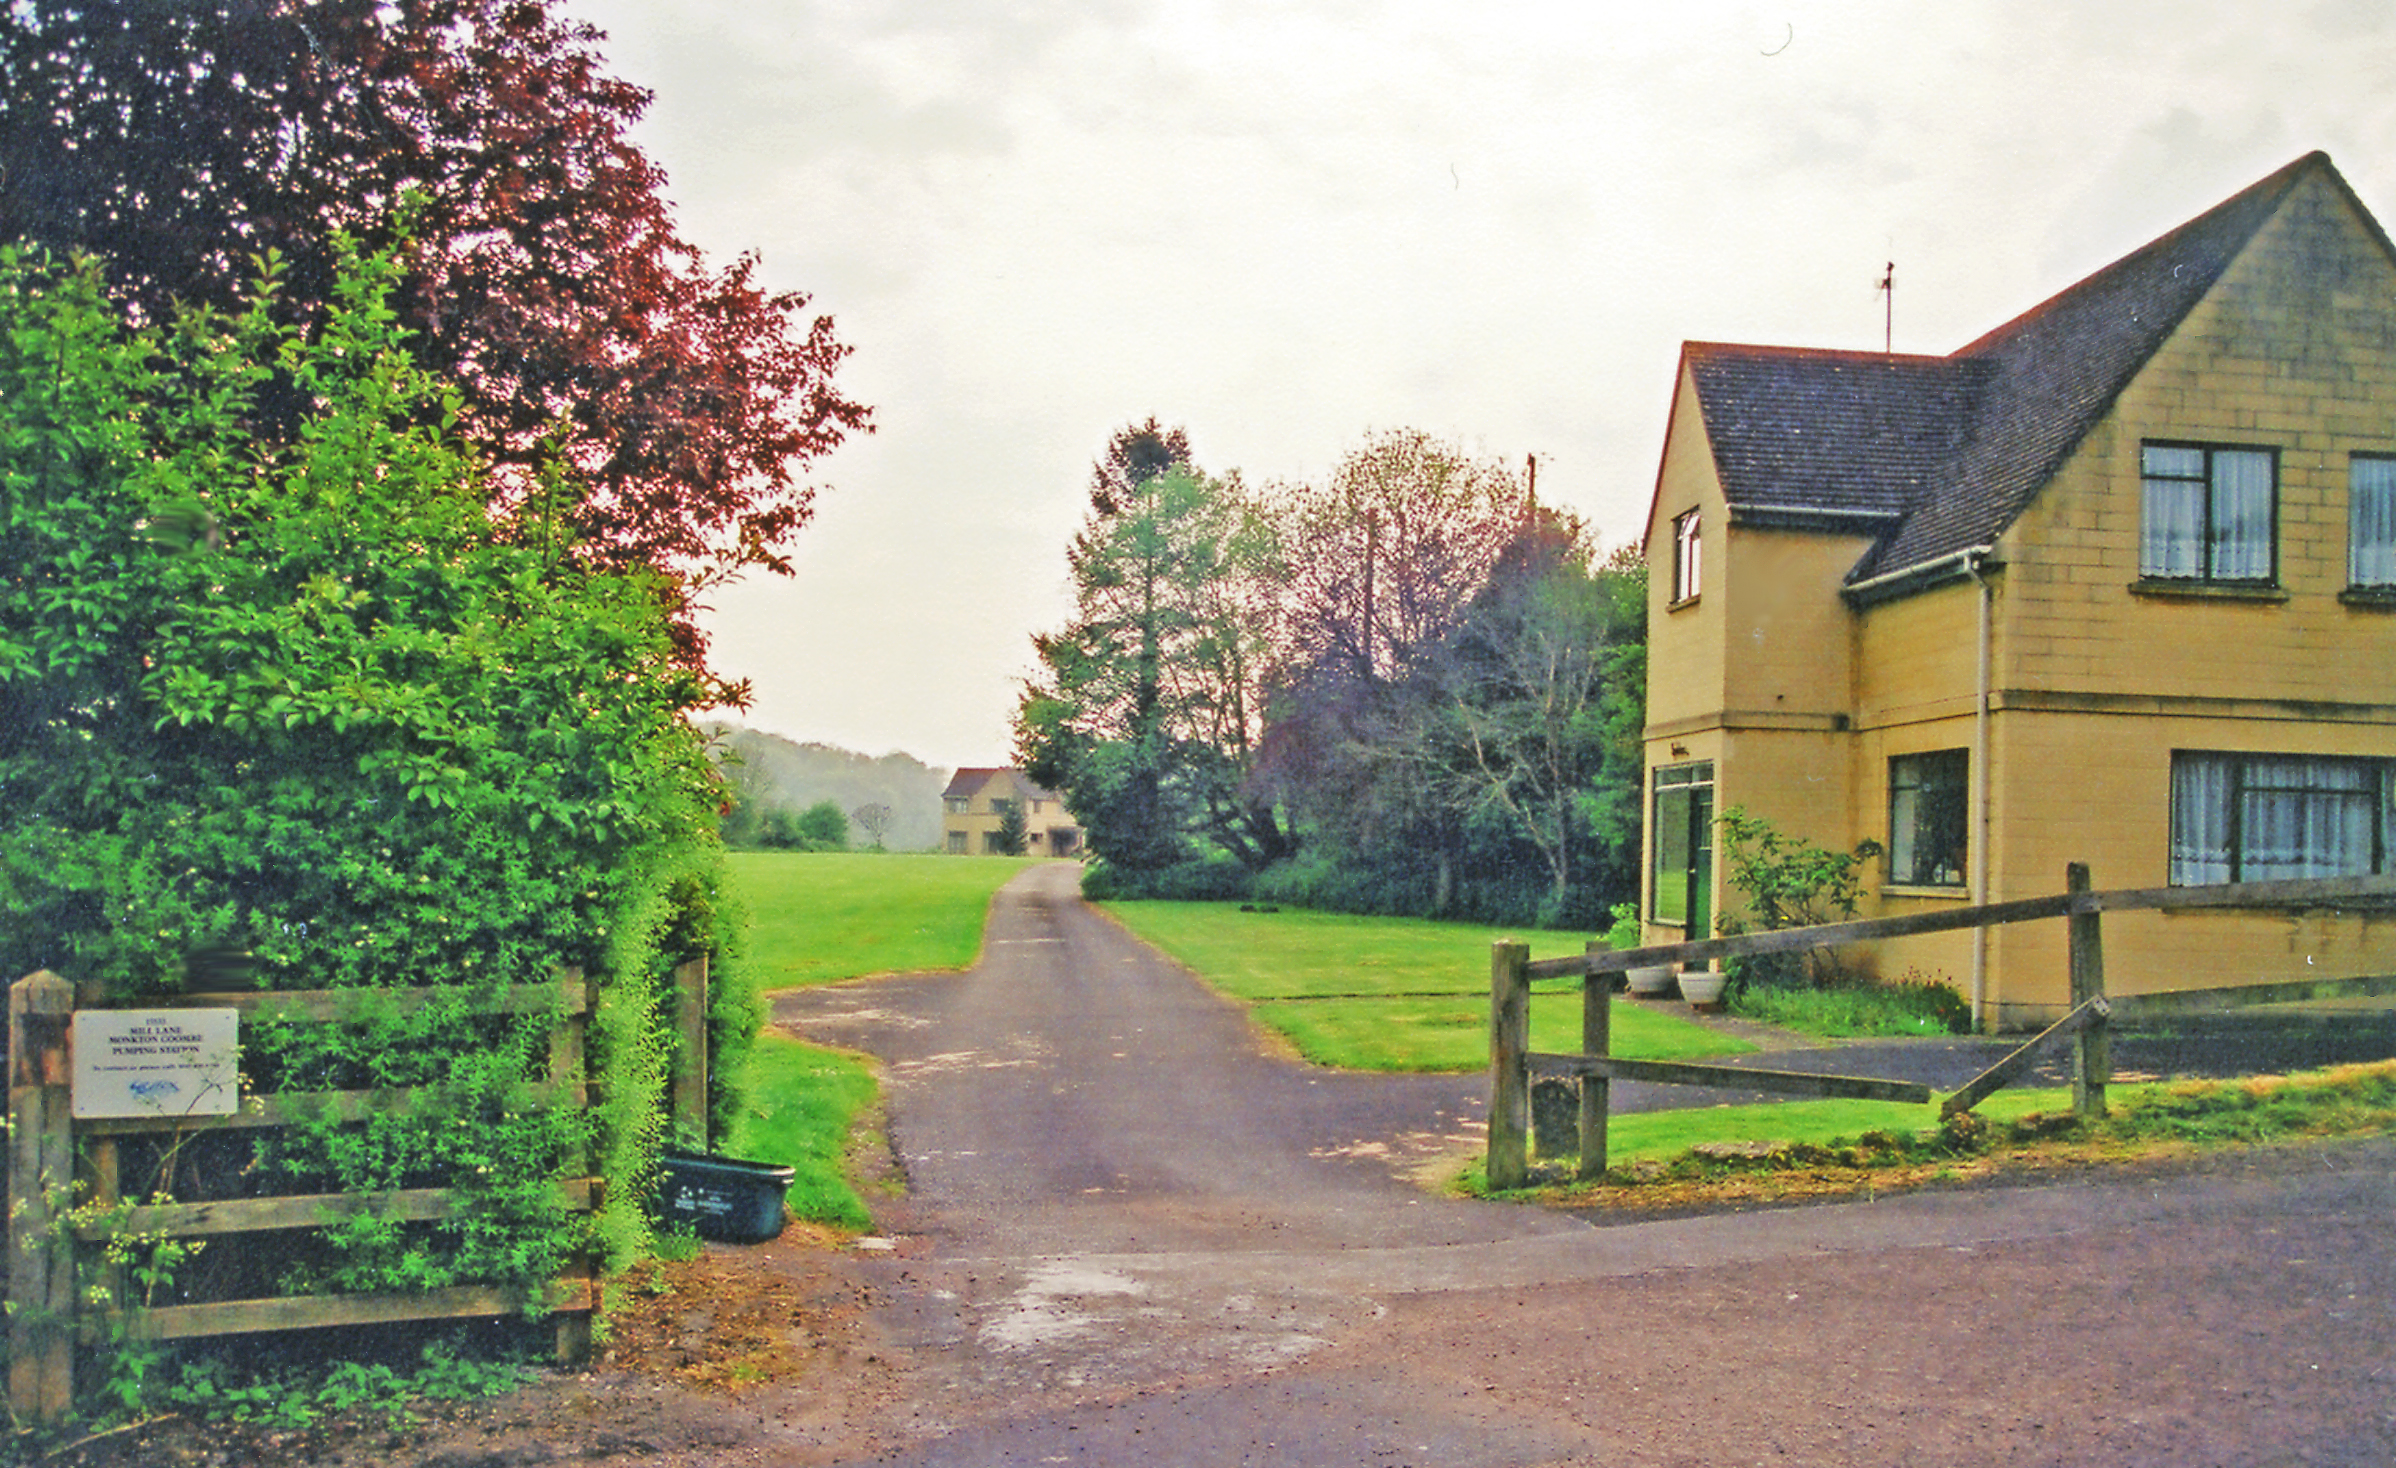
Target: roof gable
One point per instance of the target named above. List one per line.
(1940, 454)
(969, 782)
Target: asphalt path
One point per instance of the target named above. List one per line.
(1132, 1235)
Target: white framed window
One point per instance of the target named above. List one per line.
(2276, 818)
(2371, 520)
(1688, 556)
(2208, 514)
(1929, 818)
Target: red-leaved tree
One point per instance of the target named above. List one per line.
(181, 140)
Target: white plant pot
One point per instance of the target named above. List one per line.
(1702, 987)
(1653, 979)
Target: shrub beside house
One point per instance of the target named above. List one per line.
(2115, 583)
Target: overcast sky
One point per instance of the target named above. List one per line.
(1287, 225)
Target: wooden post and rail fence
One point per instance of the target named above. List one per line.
(58, 1161)
(1513, 1063)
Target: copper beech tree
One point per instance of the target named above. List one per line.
(183, 142)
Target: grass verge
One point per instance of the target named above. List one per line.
(1730, 1156)
(818, 917)
(1389, 994)
(802, 1105)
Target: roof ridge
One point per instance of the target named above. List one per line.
(2056, 369)
(1854, 354)
(2276, 185)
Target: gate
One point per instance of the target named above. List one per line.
(48, 1143)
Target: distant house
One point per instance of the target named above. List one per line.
(2115, 583)
(973, 806)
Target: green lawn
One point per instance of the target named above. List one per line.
(1368, 993)
(1663, 1135)
(816, 917)
(798, 1108)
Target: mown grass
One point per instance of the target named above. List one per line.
(818, 917)
(1826, 1148)
(799, 1108)
(1388, 994)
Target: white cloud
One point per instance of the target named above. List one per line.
(1286, 224)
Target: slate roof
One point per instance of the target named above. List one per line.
(967, 783)
(1940, 454)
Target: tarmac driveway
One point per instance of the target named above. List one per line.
(1131, 1236)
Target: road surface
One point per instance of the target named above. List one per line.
(1132, 1236)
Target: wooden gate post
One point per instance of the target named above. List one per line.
(1597, 1038)
(1509, 1162)
(690, 1052)
(41, 1165)
(2092, 1047)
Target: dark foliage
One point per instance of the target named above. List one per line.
(184, 141)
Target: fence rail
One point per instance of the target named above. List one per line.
(45, 1321)
(1512, 1062)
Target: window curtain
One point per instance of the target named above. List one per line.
(2172, 522)
(2371, 534)
(2306, 818)
(2241, 545)
(2201, 803)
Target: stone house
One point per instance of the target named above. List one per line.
(2115, 584)
(971, 811)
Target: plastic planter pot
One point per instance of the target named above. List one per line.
(723, 1197)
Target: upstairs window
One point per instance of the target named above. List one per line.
(2371, 521)
(1929, 819)
(2278, 818)
(1688, 557)
(2208, 514)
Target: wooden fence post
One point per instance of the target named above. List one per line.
(41, 1166)
(569, 1070)
(1509, 1163)
(2092, 1048)
(1597, 1038)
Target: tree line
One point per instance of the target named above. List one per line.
(1409, 687)
(780, 794)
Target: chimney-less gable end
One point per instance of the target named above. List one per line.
(1935, 457)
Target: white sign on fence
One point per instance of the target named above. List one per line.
(157, 1062)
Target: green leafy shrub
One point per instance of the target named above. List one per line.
(282, 704)
(1205, 879)
(1788, 882)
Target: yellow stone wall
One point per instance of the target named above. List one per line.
(2096, 680)
(2294, 350)
(1685, 647)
